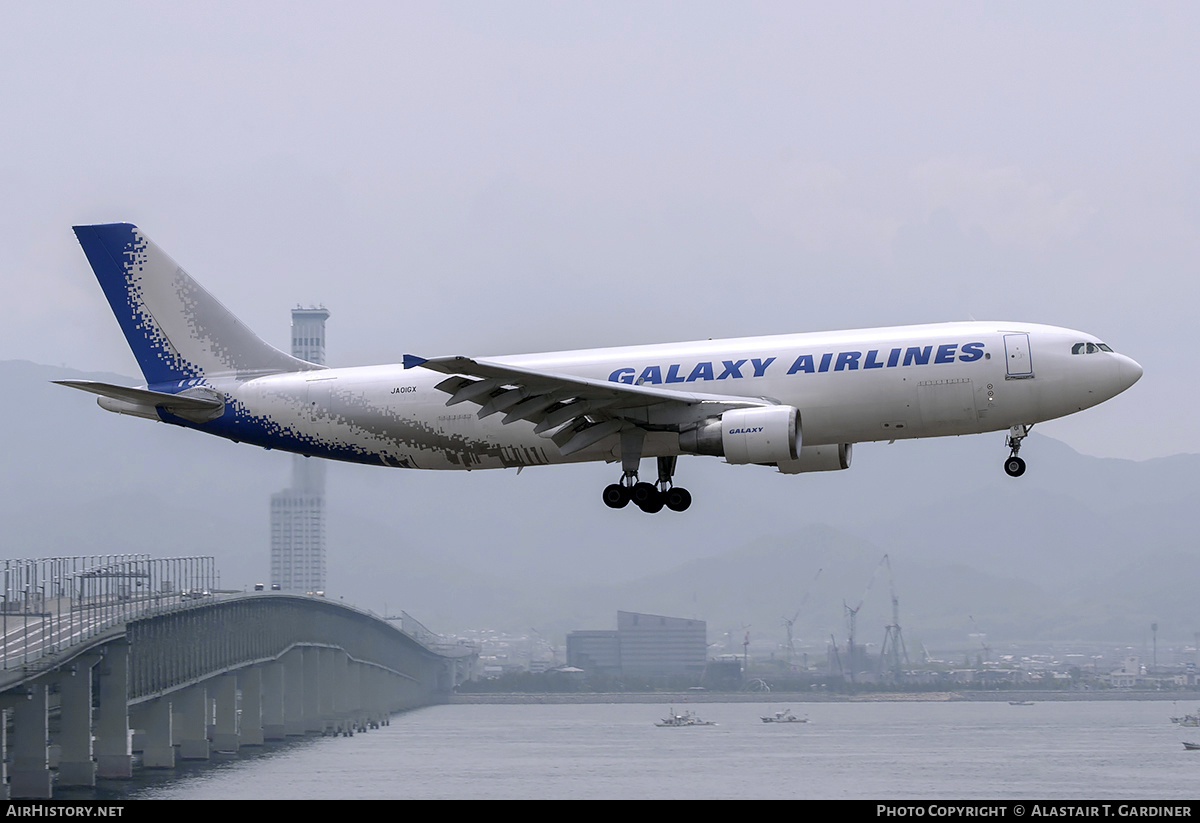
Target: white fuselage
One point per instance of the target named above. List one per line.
(796, 402)
(849, 386)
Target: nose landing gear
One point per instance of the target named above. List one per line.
(1015, 466)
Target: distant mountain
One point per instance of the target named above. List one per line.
(1078, 548)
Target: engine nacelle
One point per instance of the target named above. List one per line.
(819, 459)
(768, 434)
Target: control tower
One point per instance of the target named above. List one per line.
(308, 334)
(298, 512)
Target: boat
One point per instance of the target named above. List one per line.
(1020, 702)
(1192, 720)
(1191, 747)
(784, 716)
(688, 718)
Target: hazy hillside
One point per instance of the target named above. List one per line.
(1079, 547)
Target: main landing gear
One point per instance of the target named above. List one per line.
(649, 497)
(1015, 466)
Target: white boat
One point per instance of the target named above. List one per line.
(784, 716)
(688, 718)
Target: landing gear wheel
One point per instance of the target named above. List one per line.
(643, 493)
(654, 504)
(1014, 466)
(649, 497)
(678, 499)
(616, 496)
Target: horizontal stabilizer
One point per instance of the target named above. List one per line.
(197, 404)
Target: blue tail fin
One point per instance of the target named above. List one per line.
(176, 329)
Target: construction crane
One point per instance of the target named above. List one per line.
(790, 623)
(982, 637)
(893, 656)
(852, 615)
(834, 656)
(851, 622)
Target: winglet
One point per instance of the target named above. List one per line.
(411, 361)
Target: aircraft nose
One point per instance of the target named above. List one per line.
(1129, 371)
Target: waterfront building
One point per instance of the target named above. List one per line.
(642, 645)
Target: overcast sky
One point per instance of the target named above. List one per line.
(492, 178)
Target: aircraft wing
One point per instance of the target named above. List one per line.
(575, 412)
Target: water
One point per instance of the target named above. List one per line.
(1062, 750)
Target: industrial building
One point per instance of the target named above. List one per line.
(642, 645)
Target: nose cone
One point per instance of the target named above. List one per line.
(1129, 371)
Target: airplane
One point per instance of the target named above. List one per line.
(795, 402)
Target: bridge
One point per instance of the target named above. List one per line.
(145, 661)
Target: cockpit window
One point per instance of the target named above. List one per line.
(1104, 347)
(1077, 348)
(1089, 348)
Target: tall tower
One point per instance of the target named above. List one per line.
(308, 334)
(298, 512)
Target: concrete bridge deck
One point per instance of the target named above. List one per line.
(176, 671)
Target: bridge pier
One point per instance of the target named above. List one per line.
(156, 740)
(375, 693)
(190, 715)
(326, 683)
(347, 699)
(4, 788)
(30, 773)
(250, 732)
(312, 691)
(293, 693)
(114, 757)
(77, 766)
(273, 682)
(225, 736)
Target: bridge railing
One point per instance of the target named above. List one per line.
(50, 604)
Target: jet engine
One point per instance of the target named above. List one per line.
(765, 435)
(829, 458)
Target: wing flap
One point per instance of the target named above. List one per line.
(578, 440)
(575, 412)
